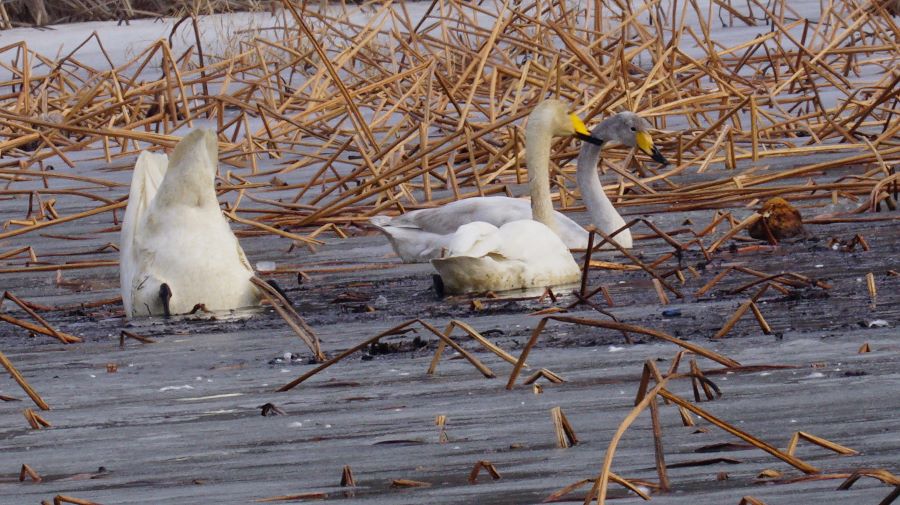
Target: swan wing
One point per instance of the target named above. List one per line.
(496, 210)
(530, 241)
(149, 172)
(474, 239)
(446, 219)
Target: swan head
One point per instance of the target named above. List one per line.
(630, 130)
(553, 116)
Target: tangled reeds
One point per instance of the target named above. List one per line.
(325, 120)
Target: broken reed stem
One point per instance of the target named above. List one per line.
(468, 356)
(658, 450)
(125, 333)
(29, 472)
(587, 263)
(23, 383)
(746, 223)
(546, 374)
(61, 498)
(873, 292)
(787, 458)
(729, 324)
(43, 330)
(821, 442)
(487, 465)
(613, 325)
(608, 239)
(347, 479)
(64, 338)
(763, 324)
(36, 421)
(291, 317)
(565, 434)
(601, 483)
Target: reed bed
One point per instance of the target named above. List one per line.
(350, 119)
(340, 113)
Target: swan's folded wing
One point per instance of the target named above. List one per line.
(530, 241)
(474, 239)
(149, 171)
(446, 219)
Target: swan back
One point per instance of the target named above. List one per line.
(420, 235)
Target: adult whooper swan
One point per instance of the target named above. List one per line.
(420, 235)
(522, 253)
(176, 248)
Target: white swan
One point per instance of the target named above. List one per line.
(176, 248)
(523, 253)
(420, 235)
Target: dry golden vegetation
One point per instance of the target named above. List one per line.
(378, 116)
(340, 113)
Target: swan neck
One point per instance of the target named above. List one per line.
(603, 215)
(538, 141)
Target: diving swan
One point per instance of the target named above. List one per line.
(176, 248)
(420, 235)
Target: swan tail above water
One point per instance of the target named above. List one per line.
(191, 178)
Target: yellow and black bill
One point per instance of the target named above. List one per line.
(581, 131)
(645, 144)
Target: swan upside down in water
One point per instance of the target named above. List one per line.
(420, 235)
(176, 248)
(524, 253)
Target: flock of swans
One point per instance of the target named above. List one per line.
(178, 251)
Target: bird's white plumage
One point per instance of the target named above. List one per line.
(519, 254)
(174, 233)
(418, 236)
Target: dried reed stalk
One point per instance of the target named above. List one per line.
(472, 359)
(30, 473)
(565, 434)
(22, 382)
